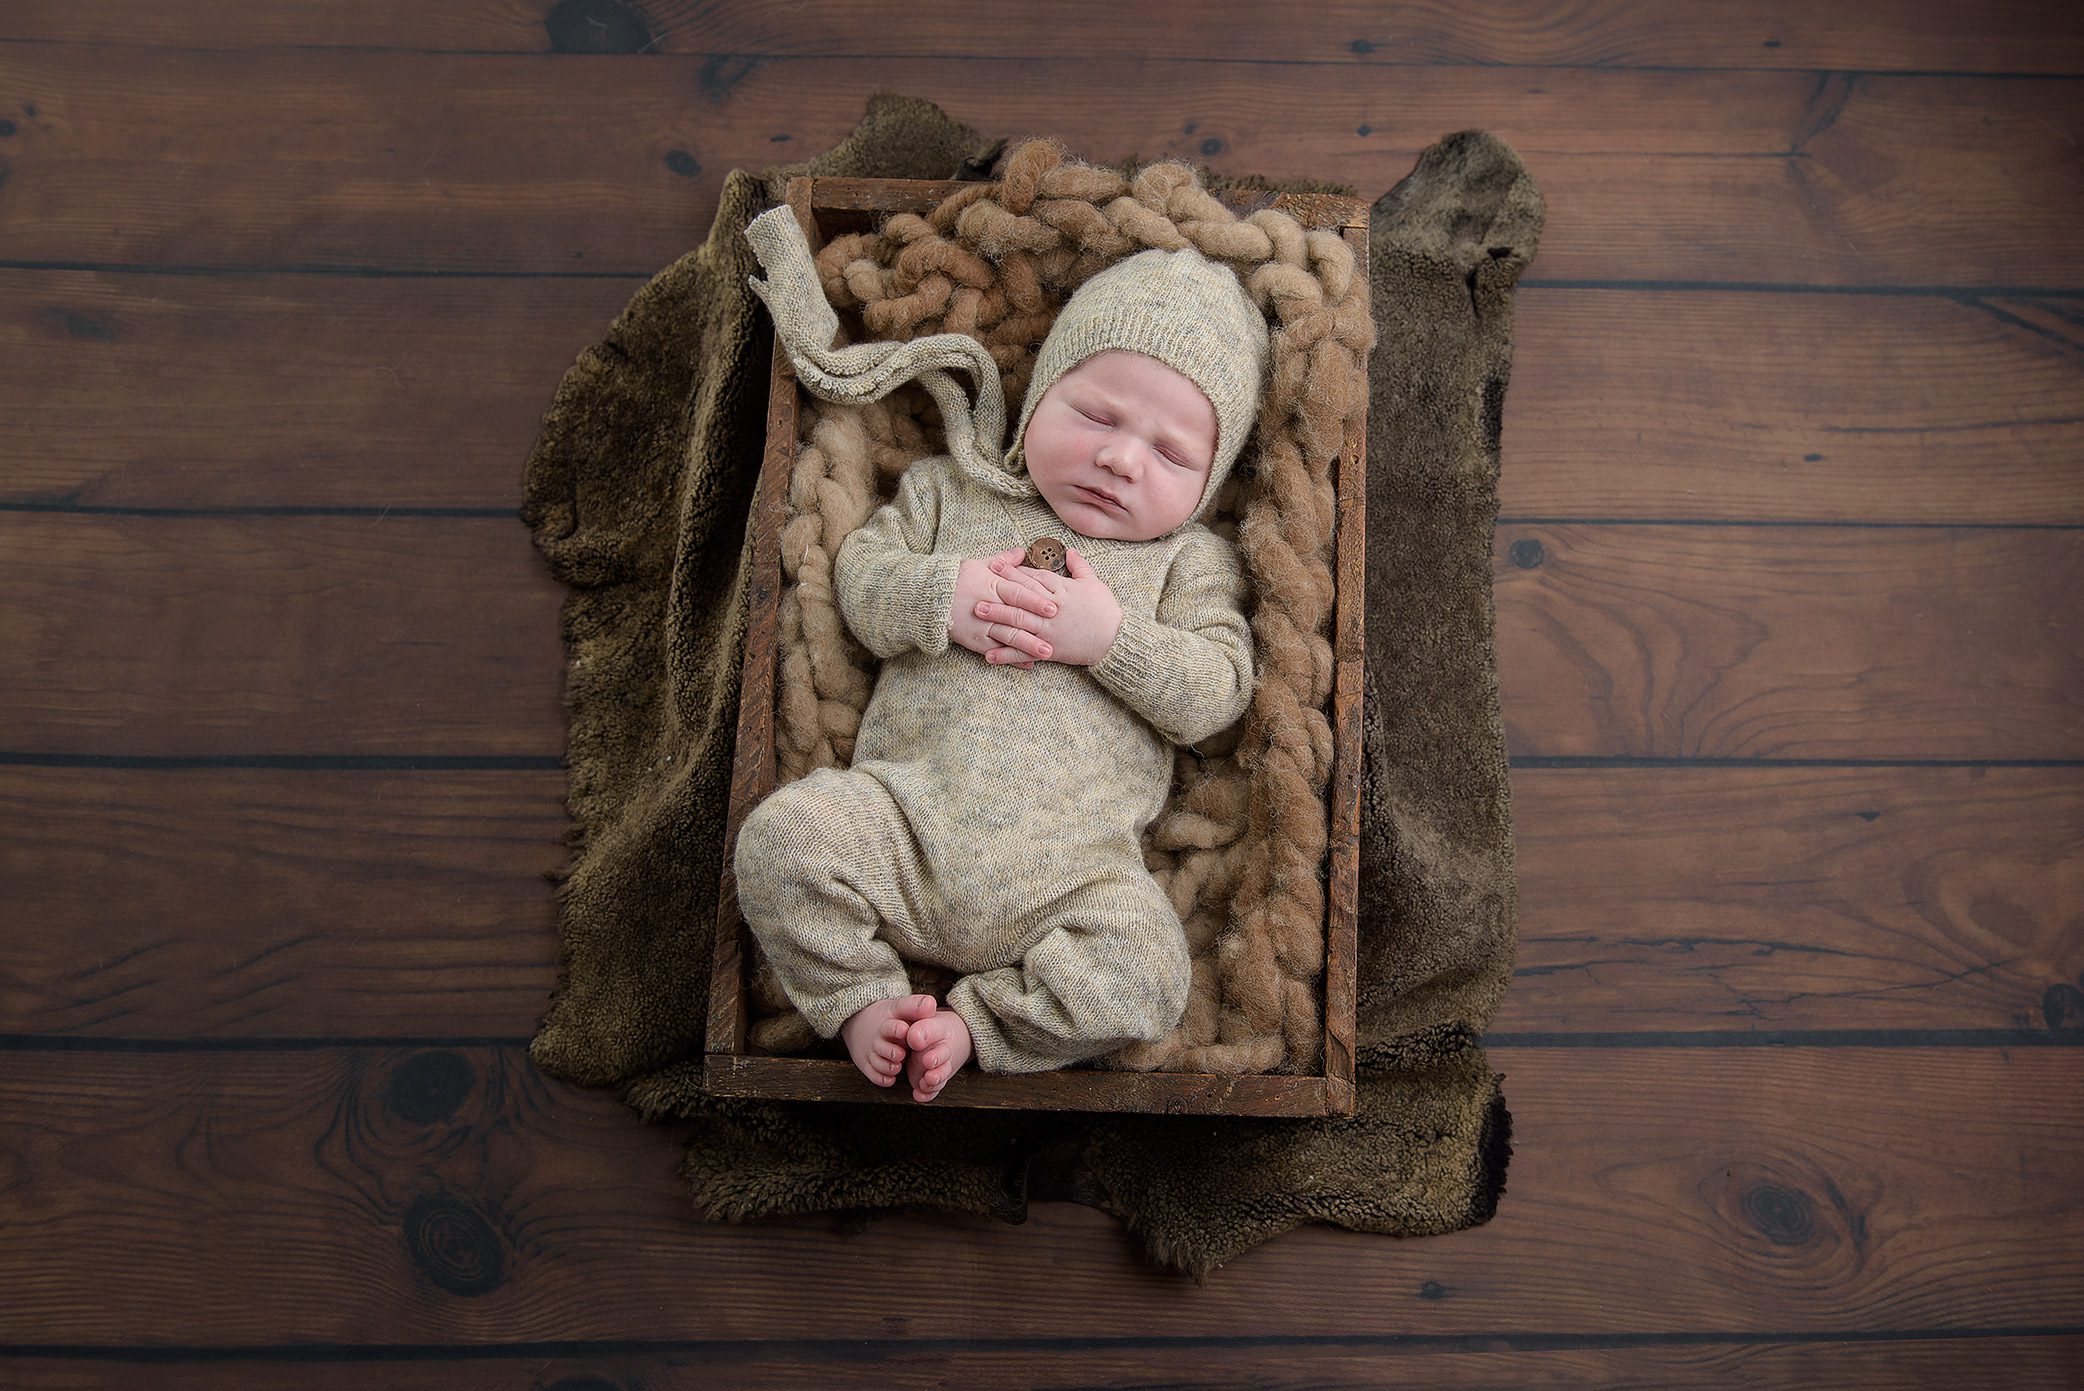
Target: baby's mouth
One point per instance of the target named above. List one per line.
(1099, 497)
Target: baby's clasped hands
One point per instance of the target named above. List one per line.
(1017, 615)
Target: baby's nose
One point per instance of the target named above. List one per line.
(1120, 458)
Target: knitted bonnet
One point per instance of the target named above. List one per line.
(1176, 306)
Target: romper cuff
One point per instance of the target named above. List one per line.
(930, 605)
(1129, 666)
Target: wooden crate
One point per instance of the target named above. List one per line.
(826, 207)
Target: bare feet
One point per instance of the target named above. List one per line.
(940, 1045)
(875, 1035)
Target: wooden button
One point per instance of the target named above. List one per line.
(1046, 553)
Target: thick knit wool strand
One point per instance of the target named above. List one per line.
(993, 817)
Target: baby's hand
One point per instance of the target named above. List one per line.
(1071, 618)
(980, 584)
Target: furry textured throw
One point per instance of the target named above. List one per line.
(638, 494)
(1240, 847)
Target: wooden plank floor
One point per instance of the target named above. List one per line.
(1788, 573)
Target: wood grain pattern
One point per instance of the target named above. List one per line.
(389, 392)
(1732, 405)
(1799, 898)
(244, 903)
(410, 1196)
(1768, 642)
(347, 635)
(284, 391)
(268, 635)
(1997, 36)
(413, 162)
(1242, 1362)
(259, 903)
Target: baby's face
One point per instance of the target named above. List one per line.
(1125, 424)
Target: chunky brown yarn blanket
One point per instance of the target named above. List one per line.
(638, 494)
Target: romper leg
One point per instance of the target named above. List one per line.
(818, 877)
(1111, 968)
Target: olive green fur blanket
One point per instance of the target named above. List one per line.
(638, 494)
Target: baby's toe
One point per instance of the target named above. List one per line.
(914, 1007)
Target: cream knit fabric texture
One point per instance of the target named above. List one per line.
(1182, 309)
(1002, 834)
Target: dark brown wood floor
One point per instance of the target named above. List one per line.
(1788, 581)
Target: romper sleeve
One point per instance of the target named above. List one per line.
(1188, 670)
(895, 594)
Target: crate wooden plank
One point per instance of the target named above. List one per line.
(400, 1198)
(752, 769)
(1926, 408)
(852, 204)
(261, 903)
(1349, 663)
(469, 163)
(1071, 1089)
(2007, 36)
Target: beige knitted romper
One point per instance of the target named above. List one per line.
(993, 816)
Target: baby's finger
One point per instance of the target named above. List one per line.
(1048, 581)
(1029, 644)
(1031, 599)
(1006, 614)
(1023, 587)
(1010, 657)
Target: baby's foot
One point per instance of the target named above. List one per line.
(940, 1045)
(875, 1035)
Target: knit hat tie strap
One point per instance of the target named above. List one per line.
(864, 372)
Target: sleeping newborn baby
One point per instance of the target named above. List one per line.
(1052, 621)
